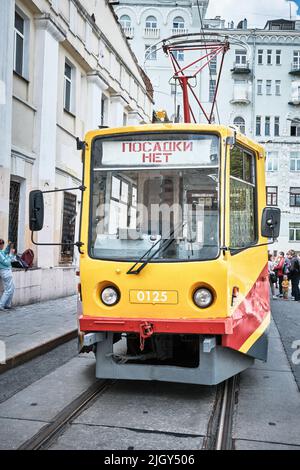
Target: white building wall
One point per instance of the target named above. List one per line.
(159, 70)
(38, 135)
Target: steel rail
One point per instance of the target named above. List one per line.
(44, 437)
(224, 433)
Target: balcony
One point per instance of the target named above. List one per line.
(241, 68)
(295, 68)
(240, 95)
(295, 100)
(151, 33)
(129, 32)
(176, 31)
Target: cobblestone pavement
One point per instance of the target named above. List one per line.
(286, 314)
(25, 328)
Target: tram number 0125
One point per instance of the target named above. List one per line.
(153, 296)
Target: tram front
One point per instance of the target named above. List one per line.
(156, 300)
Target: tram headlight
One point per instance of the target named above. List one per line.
(203, 297)
(110, 296)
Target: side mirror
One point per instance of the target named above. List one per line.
(270, 222)
(36, 210)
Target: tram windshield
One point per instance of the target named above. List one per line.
(148, 188)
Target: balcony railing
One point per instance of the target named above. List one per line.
(179, 31)
(295, 67)
(151, 33)
(240, 95)
(129, 32)
(241, 68)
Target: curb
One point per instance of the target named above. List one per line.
(38, 350)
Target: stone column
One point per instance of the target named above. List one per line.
(6, 88)
(95, 88)
(46, 79)
(117, 104)
(134, 118)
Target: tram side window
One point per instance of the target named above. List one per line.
(242, 198)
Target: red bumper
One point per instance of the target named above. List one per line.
(218, 326)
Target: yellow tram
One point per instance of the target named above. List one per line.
(173, 265)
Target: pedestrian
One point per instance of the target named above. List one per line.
(278, 268)
(294, 275)
(272, 275)
(285, 287)
(6, 256)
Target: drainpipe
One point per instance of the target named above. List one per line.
(253, 85)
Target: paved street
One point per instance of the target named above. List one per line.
(27, 328)
(286, 315)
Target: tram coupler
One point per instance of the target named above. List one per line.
(146, 330)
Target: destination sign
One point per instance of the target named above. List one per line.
(160, 152)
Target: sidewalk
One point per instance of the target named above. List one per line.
(34, 329)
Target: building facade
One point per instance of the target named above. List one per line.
(259, 89)
(146, 23)
(66, 68)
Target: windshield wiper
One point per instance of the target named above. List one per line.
(165, 244)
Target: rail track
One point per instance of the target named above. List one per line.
(43, 438)
(219, 435)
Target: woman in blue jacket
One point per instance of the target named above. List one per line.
(6, 256)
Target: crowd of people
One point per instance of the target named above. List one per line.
(284, 273)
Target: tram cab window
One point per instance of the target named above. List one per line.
(242, 198)
(133, 208)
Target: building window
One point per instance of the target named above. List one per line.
(151, 22)
(272, 195)
(242, 198)
(272, 161)
(14, 202)
(276, 126)
(295, 197)
(269, 57)
(68, 90)
(212, 89)
(294, 231)
(213, 66)
(258, 125)
(295, 161)
(267, 125)
(103, 116)
(240, 123)
(295, 128)
(259, 87)
(260, 54)
(277, 87)
(296, 60)
(19, 44)
(125, 21)
(278, 57)
(150, 52)
(178, 23)
(240, 57)
(269, 87)
(178, 55)
(68, 227)
(176, 88)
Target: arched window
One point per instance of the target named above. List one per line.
(125, 21)
(151, 22)
(178, 23)
(240, 123)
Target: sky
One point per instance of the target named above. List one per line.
(257, 12)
